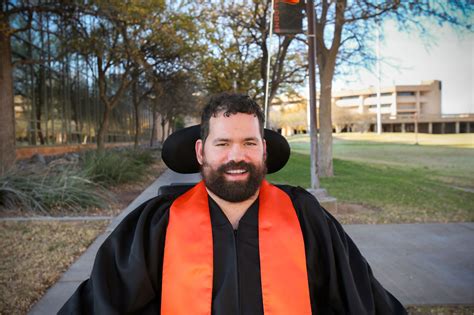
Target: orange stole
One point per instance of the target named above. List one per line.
(188, 257)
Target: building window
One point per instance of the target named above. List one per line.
(381, 94)
(381, 105)
(354, 98)
(406, 93)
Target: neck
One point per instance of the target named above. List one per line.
(234, 211)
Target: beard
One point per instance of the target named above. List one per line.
(233, 191)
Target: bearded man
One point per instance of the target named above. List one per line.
(232, 244)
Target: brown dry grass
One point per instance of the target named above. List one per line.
(33, 255)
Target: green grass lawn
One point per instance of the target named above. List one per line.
(394, 182)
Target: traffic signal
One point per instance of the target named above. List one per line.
(287, 17)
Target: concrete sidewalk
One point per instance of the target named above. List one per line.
(418, 263)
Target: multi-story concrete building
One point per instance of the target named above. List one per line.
(403, 108)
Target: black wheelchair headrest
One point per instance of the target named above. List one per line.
(179, 154)
(175, 188)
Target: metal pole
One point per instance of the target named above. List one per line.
(416, 128)
(379, 105)
(267, 76)
(313, 131)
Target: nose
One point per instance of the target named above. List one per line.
(236, 153)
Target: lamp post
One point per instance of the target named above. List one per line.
(267, 74)
(313, 128)
(379, 105)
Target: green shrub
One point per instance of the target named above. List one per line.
(65, 185)
(50, 190)
(116, 167)
(141, 156)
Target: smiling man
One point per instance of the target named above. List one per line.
(232, 244)
(232, 154)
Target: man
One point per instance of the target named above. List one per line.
(233, 244)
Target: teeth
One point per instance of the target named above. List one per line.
(236, 171)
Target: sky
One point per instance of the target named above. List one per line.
(448, 57)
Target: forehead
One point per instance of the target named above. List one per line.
(234, 126)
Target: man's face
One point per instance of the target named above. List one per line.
(233, 156)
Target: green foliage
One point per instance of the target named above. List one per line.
(115, 167)
(72, 186)
(50, 190)
(141, 156)
(236, 35)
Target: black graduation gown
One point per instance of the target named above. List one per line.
(126, 277)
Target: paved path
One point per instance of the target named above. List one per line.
(421, 263)
(418, 263)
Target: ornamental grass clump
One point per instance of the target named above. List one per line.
(49, 190)
(145, 157)
(116, 167)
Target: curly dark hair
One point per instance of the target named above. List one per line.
(230, 104)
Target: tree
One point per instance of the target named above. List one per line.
(168, 53)
(98, 34)
(287, 66)
(15, 17)
(89, 65)
(238, 51)
(172, 98)
(7, 118)
(293, 117)
(343, 32)
(139, 94)
(230, 61)
(124, 41)
(350, 119)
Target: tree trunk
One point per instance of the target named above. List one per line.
(38, 125)
(153, 128)
(136, 102)
(32, 94)
(326, 59)
(7, 114)
(137, 127)
(170, 127)
(109, 102)
(104, 126)
(163, 124)
(41, 103)
(325, 128)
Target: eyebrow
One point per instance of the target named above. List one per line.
(227, 139)
(251, 139)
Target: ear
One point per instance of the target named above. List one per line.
(199, 147)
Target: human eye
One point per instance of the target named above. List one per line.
(250, 143)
